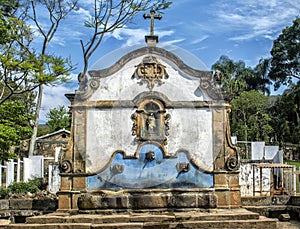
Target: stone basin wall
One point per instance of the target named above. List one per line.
(148, 199)
(18, 209)
(265, 200)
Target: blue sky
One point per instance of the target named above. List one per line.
(242, 30)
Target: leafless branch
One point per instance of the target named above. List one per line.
(110, 15)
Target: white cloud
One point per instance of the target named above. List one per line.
(135, 36)
(199, 40)
(165, 33)
(132, 36)
(201, 48)
(172, 42)
(54, 96)
(259, 18)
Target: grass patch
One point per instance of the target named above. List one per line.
(297, 163)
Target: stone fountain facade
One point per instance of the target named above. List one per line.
(149, 132)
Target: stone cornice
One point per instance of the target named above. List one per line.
(108, 104)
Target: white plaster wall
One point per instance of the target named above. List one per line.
(246, 180)
(190, 130)
(109, 130)
(120, 86)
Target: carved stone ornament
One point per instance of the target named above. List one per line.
(183, 167)
(117, 169)
(150, 156)
(232, 163)
(151, 72)
(150, 122)
(86, 86)
(65, 166)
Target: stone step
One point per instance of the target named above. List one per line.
(220, 214)
(262, 222)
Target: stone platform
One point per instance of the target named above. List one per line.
(148, 199)
(217, 218)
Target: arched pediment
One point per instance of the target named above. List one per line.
(207, 83)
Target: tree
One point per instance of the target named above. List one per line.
(5, 12)
(285, 114)
(261, 80)
(250, 120)
(14, 127)
(58, 11)
(285, 55)
(236, 77)
(232, 81)
(18, 63)
(22, 68)
(58, 118)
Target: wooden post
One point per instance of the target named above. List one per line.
(1, 167)
(18, 170)
(260, 180)
(253, 182)
(272, 189)
(293, 180)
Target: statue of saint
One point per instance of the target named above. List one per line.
(150, 122)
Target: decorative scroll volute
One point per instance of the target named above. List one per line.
(151, 72)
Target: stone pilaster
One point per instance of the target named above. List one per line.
(227, 189)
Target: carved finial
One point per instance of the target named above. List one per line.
(152, 16)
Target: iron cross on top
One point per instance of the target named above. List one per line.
(152, 16)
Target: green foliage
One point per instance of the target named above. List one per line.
(285, 114)
(250, 120)
(3, 193)
(43, 130)
(36, 181)
(22, 67)
(232, 81)
(285, 61)
(58, 118)
(8, 7)
(236, 77)
(14, 127)
(23, 187)
(31, 186)
(54, 70)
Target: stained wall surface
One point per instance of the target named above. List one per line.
(118, 141)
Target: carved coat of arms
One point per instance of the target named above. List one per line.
(151, 72)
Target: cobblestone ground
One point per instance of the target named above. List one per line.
(293, 224)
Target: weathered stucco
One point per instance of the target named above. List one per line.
(104, 136)
(120, 85)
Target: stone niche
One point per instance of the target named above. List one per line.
(149, 132)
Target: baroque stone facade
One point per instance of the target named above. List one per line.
(149, 132)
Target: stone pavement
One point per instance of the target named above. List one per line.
(293, 224)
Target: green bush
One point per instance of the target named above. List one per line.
(38, 182)
(3, 192)
(31, 186)
(22, 187)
